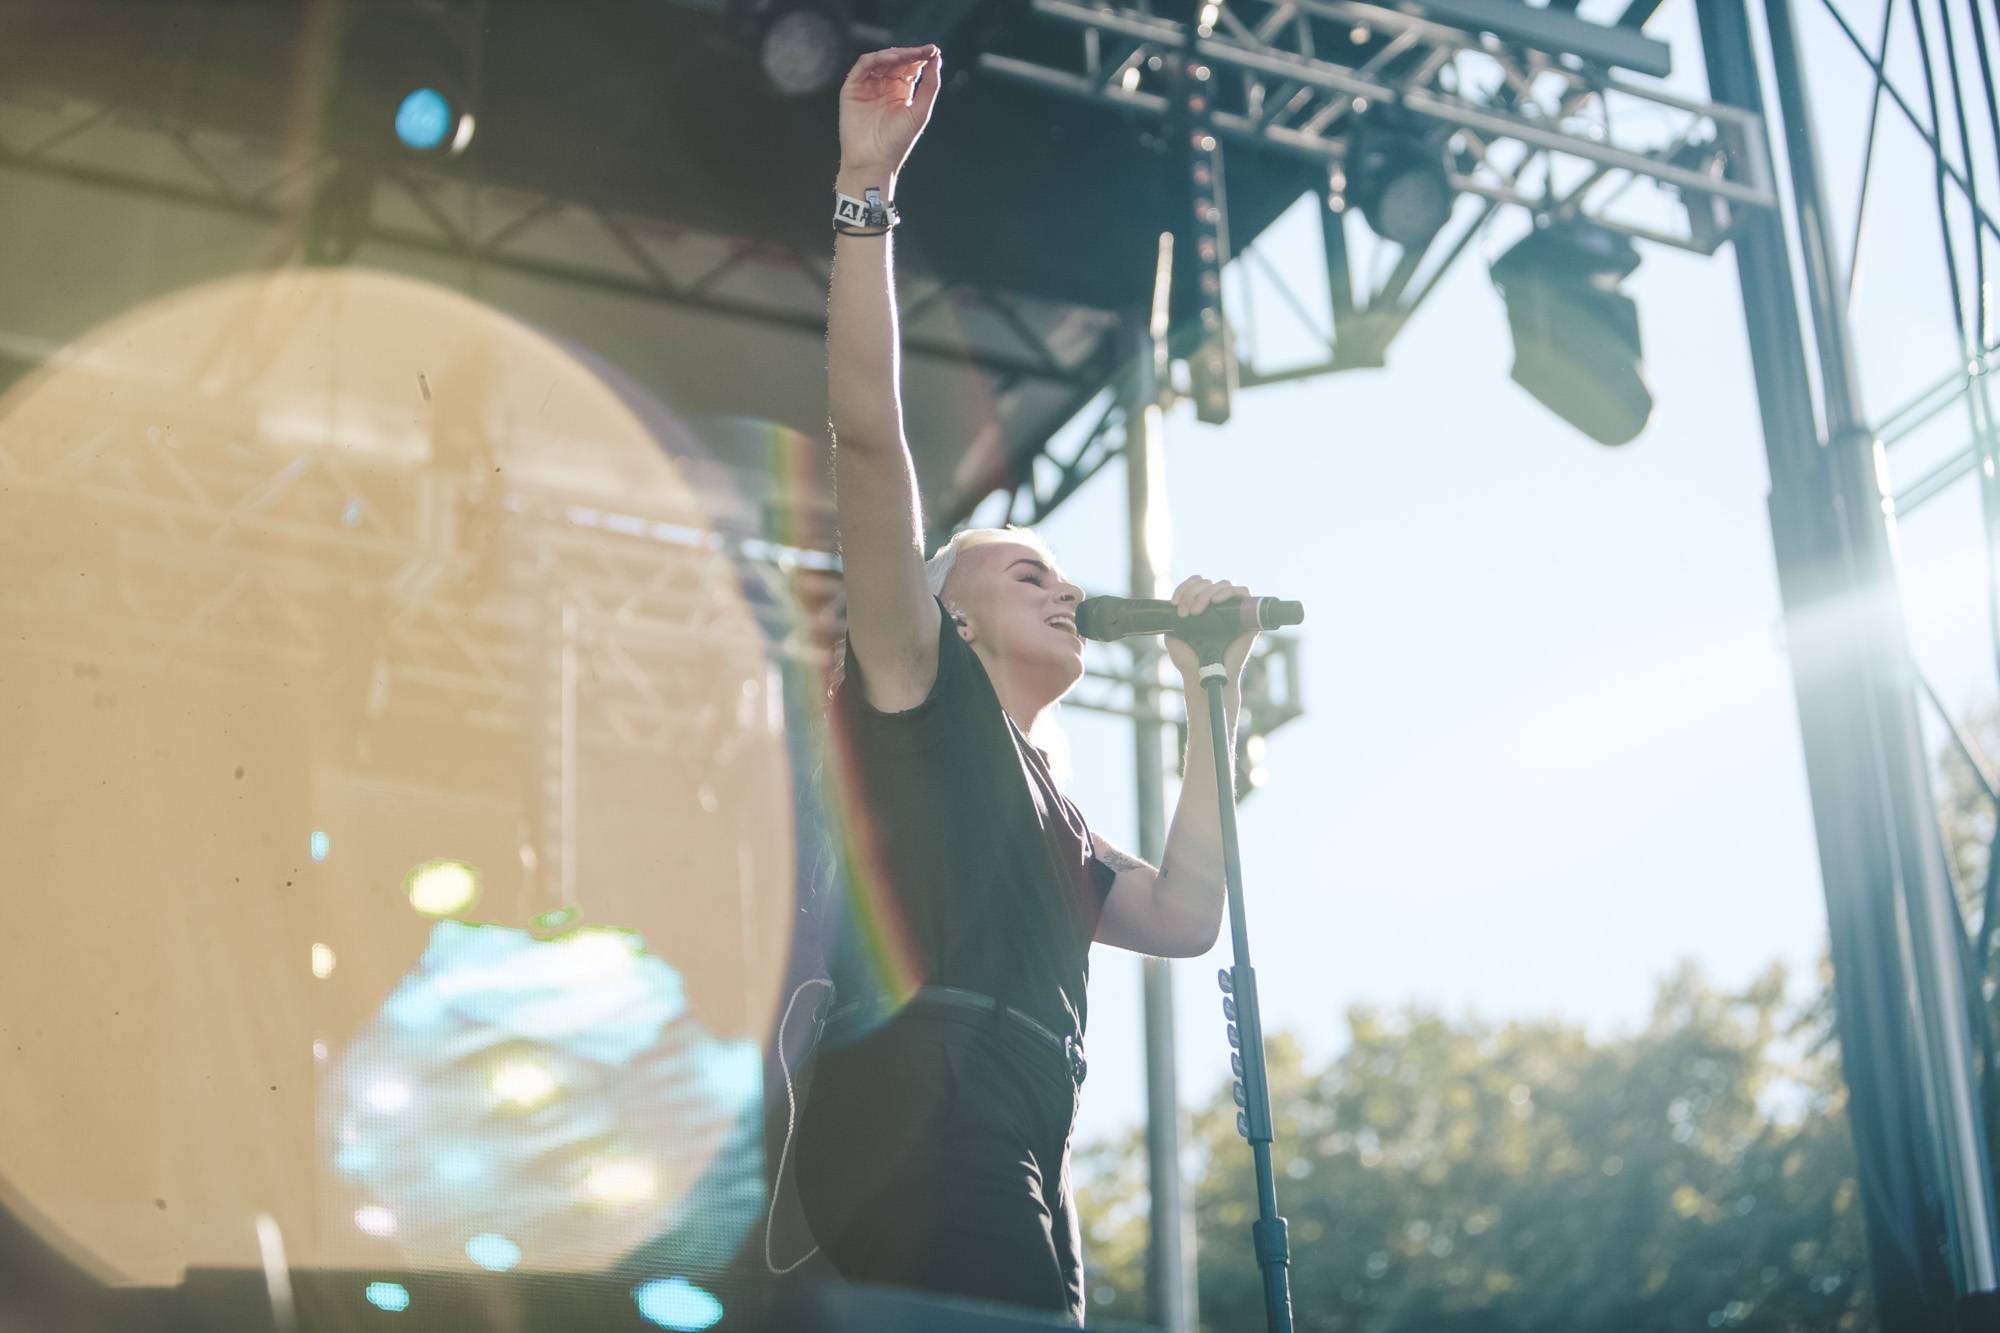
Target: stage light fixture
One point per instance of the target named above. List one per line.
(801, 46)
(428, 122)
(1212, 368)
(1397, 178)
(405, 81)
(1576, 335)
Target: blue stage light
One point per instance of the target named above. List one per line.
(493, 1252)
(676, 1303)
(425, 120)
(321, 845)
(391, 1296)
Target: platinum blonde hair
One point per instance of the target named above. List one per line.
(938, 568)
(1048, 732)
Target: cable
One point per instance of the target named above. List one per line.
(1971, 173)
(791, 1121)
(1992, 115)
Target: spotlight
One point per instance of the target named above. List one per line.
(1212, 370)
(1397, 178)
(428, 122)
(801, 46)
(1576, 336)
(405, 81)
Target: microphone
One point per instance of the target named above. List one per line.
(1108, 618)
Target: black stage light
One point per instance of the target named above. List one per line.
(801, 46)
(1397, 178)
(1576, 335)
(1212, 369)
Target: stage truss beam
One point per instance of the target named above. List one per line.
(1444, 66)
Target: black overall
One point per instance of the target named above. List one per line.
(933, 1149)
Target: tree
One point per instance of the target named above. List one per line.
(1445, 1176)
(1521, 1178)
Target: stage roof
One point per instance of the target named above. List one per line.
(630, 147)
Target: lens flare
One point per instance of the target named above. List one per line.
(676, 1303)
(524, 1083)
(442, 888)
(493, 1252)
(375, 1220)
(621, 1181)
(424, 120)
(389, 1095)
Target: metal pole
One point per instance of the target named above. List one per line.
(1895, 936)
(1936, 930)
(1170, 1287)
(1268, 1234)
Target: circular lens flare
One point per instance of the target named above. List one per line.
(621, 1181)
(442, 888)
(493, 1252)
(424, 120)
(524, 1083)
(675, 1302)
(375, 1220)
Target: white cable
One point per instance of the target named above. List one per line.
(791, 1117)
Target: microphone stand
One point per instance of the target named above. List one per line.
(1239, 1006)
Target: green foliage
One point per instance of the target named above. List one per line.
(1445, 1176)
(1460, 1177)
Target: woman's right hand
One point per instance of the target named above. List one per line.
(884, 106)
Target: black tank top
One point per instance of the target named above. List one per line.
(965, 864)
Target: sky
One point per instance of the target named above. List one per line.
(1550, 749)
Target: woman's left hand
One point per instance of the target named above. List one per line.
(1194, 596)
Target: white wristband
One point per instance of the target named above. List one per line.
(868, 212)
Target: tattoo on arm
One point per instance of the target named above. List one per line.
(1120, 861)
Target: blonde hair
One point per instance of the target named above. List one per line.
(1048, 732)
(938, 568)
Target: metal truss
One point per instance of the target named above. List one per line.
(1944, 1250)
(1272, 696)
(1965, 229)
(245, 565)
(1051, 478)
(1952, 392)
(1016, 342)
(1528, 123)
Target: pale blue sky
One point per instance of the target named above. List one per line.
(1550, 747)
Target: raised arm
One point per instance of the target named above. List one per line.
(891, 618)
